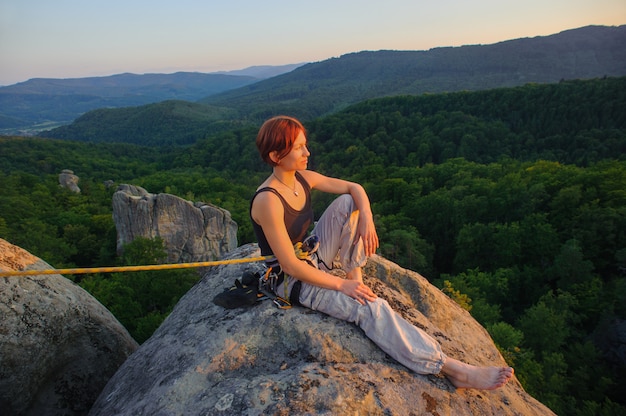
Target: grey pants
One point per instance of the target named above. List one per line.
(404, 342)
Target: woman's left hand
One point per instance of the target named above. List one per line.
(367, 232)
(358, 291)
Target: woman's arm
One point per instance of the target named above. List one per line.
(366, 228)
(268, 212)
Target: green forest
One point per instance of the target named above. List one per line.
(512, 201)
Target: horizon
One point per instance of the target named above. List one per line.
(228, 71)
(74, 39)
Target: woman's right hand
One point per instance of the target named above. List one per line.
(358, 291)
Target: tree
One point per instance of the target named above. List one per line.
(570, 267)
(547, 324)
(141, 300)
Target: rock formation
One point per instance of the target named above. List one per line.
(206, 360)
(58, 345)
(68, 180)
(191, 232)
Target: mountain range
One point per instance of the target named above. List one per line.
(321, 88)
(208, 102)
(42, 103)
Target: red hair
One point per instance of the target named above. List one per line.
(278, 135)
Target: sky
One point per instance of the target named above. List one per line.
(85, 38)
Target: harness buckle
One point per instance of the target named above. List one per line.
(281, 303)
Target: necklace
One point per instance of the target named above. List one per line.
(294, 185)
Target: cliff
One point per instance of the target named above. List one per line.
(58, 345)
(262, 360)
(192, 232)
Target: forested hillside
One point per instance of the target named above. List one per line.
(167, 123)
(512, 201)
(44, 103)
(536, 111)
(322, 88)
(570, 122)
(35, 103)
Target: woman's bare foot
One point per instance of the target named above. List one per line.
(465, 376)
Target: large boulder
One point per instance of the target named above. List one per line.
(192, 232)
(206, 360)
(58, 345)
(68, 180)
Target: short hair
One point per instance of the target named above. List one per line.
(278, 135)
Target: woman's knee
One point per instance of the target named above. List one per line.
(346, 202)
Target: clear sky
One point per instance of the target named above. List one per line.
(82, 38)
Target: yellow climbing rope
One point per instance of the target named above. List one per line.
(115, 269)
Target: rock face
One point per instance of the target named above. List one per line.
(206, 360)
(191, 232)
(68, 180)
(58, 345)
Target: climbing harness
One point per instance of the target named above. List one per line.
(274, 276)
(268, 285)
(253, 287)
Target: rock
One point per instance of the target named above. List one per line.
(191, 232)
(68, 180)
(206, 360)
(58, 345)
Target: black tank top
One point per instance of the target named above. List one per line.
(297, 222)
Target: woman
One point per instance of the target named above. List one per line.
(281, 216)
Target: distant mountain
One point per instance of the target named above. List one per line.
(165, 123)
(325, 87)
(42, 103)
(317, 89)
(262, 71)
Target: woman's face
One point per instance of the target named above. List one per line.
(298, 157)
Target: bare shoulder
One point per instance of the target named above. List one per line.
(313, 178)
(264, 205)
